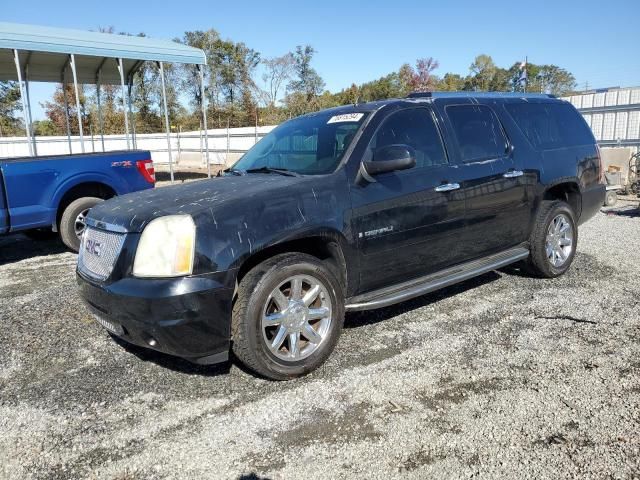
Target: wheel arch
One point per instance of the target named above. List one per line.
(328, 247)
(567, 190)
(83, 189)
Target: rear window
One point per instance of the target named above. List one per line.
(551, 125)
(478, 132)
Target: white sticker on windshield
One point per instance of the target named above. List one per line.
(346, 117)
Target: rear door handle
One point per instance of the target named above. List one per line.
(447, 187)
(513, 174)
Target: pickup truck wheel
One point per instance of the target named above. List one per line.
(554, 240)
(287, 316)
(72, 223)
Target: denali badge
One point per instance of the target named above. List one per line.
(93, 247)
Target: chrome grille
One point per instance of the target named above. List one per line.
(99, 251)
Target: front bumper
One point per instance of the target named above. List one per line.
(187, 317)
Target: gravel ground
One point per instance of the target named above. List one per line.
(501, 376)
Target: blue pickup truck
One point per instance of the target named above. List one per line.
(45, 196)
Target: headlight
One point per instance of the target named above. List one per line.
(166, 247)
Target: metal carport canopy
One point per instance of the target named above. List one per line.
(46, 51)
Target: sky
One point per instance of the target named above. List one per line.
(358, 41)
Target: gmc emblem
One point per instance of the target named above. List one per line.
(93, 247)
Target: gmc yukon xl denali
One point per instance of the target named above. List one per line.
(352, 208)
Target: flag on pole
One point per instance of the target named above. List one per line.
(522, 80)
(523, 72)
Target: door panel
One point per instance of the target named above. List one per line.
(4, 213)
(497, 206)
(405, 228)
(28, 190)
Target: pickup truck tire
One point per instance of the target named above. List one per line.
(287, 316)
(71, 216)
(553, 240)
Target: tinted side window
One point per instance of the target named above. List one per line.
(477, 131)
(550, 125)
(414, 127)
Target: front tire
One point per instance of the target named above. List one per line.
(554, 239)
(287, 316)
(72, 223)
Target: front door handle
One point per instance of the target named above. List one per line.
(447, 187)
(513, 174)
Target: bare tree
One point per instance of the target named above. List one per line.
(278, 71)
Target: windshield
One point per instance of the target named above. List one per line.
(309, 145)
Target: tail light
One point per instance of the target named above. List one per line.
(145, 167)
(600, 166)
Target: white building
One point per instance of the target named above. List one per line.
(613, 115)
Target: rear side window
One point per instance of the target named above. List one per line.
(414, 127)
(550, 125)
(478, 132)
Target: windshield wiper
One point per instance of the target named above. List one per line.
(281, 171)
(232, 171)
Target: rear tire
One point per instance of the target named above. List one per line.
(553, 240)
(72, 221)
(282, 329)
(611, 198)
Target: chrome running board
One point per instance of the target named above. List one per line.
(420, 286)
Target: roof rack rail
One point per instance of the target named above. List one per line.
(478, 94)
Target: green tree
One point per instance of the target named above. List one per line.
(482, 72)
(307, 81)
(55, 110)
(10, 105)
(385, 87)
(451, 82)
(420, 78)
(43, 128)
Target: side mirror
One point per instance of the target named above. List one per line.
(390, 158)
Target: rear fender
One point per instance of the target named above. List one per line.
(88, 177)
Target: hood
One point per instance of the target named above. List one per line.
(130, 213)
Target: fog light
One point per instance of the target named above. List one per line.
(152, 342)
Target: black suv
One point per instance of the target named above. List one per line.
(352, 208)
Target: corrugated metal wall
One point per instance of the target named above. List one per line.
(613, 115)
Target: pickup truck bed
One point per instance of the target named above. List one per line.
(36, 192)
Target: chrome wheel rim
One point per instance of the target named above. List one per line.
(559, 243)
(296, 318)
(81, 223)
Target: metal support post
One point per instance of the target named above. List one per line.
(166, 119)
(66, 107)
(226, 158)
(78, 112)
(23, 97)
(26, 85)
(179, 158)
(204, 118)
(255, 140)
(124, 103)
(100, 120)
(132, 119)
